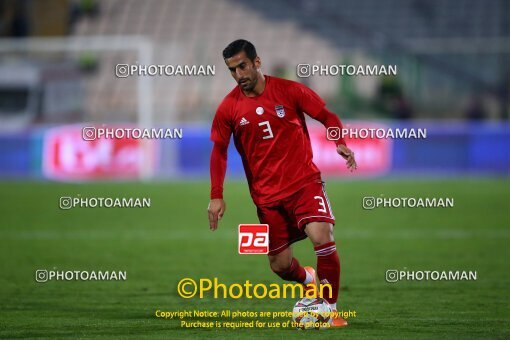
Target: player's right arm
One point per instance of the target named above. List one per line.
(218, 168)
(221, 131)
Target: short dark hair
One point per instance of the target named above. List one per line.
(240, 45)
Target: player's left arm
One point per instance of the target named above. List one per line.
(311, 103)
(331, 120)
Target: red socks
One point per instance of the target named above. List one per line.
(328, 270)
(294, 273)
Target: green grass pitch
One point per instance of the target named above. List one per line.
(160, 245)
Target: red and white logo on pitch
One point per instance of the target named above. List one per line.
(253, 238)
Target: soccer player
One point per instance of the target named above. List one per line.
(266, 116)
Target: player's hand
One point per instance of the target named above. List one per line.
(216, 210)
(348, 155)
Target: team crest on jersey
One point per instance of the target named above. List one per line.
(280, 111)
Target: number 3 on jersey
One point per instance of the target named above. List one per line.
(267, 130)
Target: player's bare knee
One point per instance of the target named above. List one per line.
(320, 234)
(280, 268)
(321, 241)
(279, 264)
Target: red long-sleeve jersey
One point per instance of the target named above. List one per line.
(271, 135)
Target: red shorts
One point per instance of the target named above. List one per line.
(288, 217)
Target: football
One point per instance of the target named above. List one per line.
(312, 313)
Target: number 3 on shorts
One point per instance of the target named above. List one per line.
(321, 204)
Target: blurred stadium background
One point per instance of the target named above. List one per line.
(57, 75)
(58, 62)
